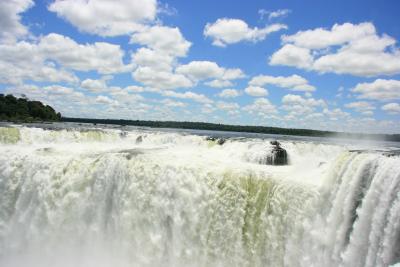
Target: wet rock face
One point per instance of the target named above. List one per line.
(219, 141)
(277, 156)
(139, 139)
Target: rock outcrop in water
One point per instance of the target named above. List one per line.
(139, 139)
(278, 155)
(219, 141)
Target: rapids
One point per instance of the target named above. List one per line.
(108, 197)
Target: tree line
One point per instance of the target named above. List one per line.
(237, 128)
(24, 110)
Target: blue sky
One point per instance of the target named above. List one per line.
(332, 65)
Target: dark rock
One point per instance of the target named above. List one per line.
(275, 143)
(221, 141)
(277, 156)
(139, 139)
(211, 138)
(123, 134)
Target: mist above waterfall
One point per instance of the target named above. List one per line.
(105, 197)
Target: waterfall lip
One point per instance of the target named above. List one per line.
(173, 197)
(388, 152)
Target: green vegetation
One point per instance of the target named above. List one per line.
(24, 110)
(236, 128)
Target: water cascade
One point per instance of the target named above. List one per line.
(106, 197)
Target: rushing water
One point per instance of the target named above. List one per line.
(107, 197)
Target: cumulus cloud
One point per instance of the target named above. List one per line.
(336, 114)
(172, 103)
(360, 105)
(219, 83)
(380, 89)
(96, 86)
(293, 82)
(273, 14)
(298, 105)
(229, 93)
(261, 107)
(10, 19)
(202, 70)
(161, 79)
(156, 62)
(228, 106)
(317, 50)
(101, 99)
(54, 95)
(100, 56)
(256, 91)
(52, 56)
(227, 31)
(365, 108)
(189, 95)
(25, 61)
(294, 56)
(106, 17)
(163, 39)
(392, 108)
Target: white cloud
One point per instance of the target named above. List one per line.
(94, 86)
(392, 108)
(207, 108)
(126, 96)
(293, 82)
(219, 83)
(36, 60)
(55, 95)
(361, 106)
(380, 89)
(273, 14)
(339, 34)
(229, 31)
(172, 103)
(293, 56)
(360, 51)
(25, 61)
(161, 79)
(156, 60)
(229, 93)
(135, 89)
(233, 74)
(189, 95)
(100, 56)
(101, 99)
(256, 91)
(261, 107)
(228, 106)
(336, 114)
(164, 39)
(202, 70)
(10, 19)
(106, 17)
(297, 105)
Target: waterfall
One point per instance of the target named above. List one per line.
(98, 197)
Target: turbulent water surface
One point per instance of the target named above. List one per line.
(80, 196)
